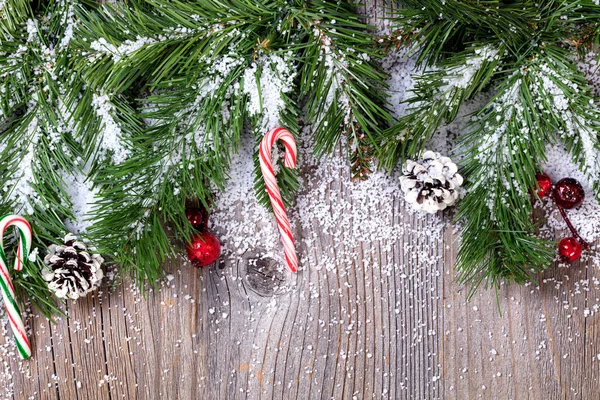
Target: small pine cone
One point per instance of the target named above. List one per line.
(432, 183)
(71, 272)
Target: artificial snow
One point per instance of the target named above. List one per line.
(336, 66)
(585, 218)
(265, 82)
(83, 197)
(69, 22)
(128, 47)
(460, 77)
(348, 216)
(112, 137)
(590, 66)
(21, 192)
(401, 68)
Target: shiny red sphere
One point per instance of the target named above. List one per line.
(568, 193)
(204, 249)
(544, 184)
(569, 249)
(197, 217)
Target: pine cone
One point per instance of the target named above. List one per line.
(430, 184)
(71, 272)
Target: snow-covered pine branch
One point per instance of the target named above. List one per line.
(436, 98)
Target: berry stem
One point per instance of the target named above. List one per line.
(584, 244)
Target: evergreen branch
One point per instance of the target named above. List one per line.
(343, 88)
(498, 237)
(165, 42)
(542, 98)
(436, 28)
(37, 148)
(161, 42)
(566, 99)
(545, 95)
(13, 13)
(437, 98)
(184, 153)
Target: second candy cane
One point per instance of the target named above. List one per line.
(266, 166)
(6, 286)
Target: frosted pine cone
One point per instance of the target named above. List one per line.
(71, 272)
(432, 183)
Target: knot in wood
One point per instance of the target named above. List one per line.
(265, 275)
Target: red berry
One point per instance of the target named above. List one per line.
(544, 185)
(568, 193)
(197, 217)
(569, 249)
(204, 249)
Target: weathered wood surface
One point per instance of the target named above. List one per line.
(365, 333)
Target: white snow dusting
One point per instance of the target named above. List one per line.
(128, 47)
(334, 62)
(83, 196)
(401, 69)
(21, 193)
(461, 77)
(69, 21)
(586, 218)
(343, 215)
(591, 68)
(112, 137)
(266, 93)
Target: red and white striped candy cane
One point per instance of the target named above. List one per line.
(8, 291)
(266, 166)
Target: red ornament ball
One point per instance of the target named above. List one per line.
(569, 249)
(197, 217)
(544, 185)
(204, 249)
(568, 193)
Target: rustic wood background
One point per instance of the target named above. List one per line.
(215, 334)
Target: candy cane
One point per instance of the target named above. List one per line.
(266, 166)
(8, 291)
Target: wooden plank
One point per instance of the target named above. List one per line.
(541, 347)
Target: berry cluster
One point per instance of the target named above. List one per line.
(567, 194)
(204, 248)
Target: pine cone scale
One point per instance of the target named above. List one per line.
(71, 272)
(430, 184)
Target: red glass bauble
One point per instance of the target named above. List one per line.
(197, 217)
(569, 249)
(204, 249)
(544, 185)
(568, 193)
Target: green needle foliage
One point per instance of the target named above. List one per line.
(523, 54)
(189, 78)
(53, 128)
(37, 144)
(146, 101)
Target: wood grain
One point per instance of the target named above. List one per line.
(353, 331)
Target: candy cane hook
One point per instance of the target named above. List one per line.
(266, 166)
(8, 291)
